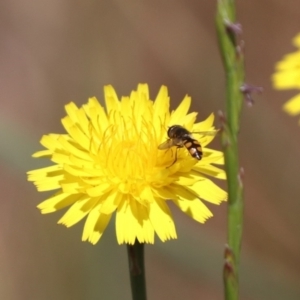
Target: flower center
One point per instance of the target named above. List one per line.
(131, 156)
(129, 160)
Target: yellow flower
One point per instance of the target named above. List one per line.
(109, 162)
(287, 76)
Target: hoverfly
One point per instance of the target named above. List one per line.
(179, 137)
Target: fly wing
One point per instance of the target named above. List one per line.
(166, 145)
(206, 132)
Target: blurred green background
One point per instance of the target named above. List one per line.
(54, 52)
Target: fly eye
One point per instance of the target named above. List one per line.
(170, 131)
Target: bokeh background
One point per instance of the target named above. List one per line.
(52, 52)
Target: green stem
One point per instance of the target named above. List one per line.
(137, 270)
(233, 61)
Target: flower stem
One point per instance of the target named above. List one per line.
(233, 60)
(137, 270)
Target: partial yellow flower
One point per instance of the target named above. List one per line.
(109, 162)
(287, 76)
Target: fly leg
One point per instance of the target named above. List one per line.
(177, 147)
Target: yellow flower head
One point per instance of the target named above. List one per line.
(109, 162)
(287, 76)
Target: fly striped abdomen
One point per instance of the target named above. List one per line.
(194, 147)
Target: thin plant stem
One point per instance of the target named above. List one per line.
(137, 270)
(233, 60)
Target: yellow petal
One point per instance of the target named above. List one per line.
(183, 193)
(111, 99)
(289, 62)
(126, 108)
(161, 112)
(42, 172)
(49, 183)
(42, 153)
(78, 211)
(125, 224)
(180, 112)
(95, 225)
(205, 125)
(76, 150)
(61, 158)
(76, 133)
(76, 171)
(162, 220)
(210, 171)
(211, 157)
(288, 79)
(296, 40)
(143, 91)
(132, 222)
(143, 227)
(51, 142)
(209, 191)
(99, 190)
(195, 209)
(71, 187)
(71, 110)
(204, 139)
(57, 202)
(146, 194)
(111, 201)
(189, 120)
(141, 111)
(97, 116)
(292, 107)
(186, 179)
(163, 192)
